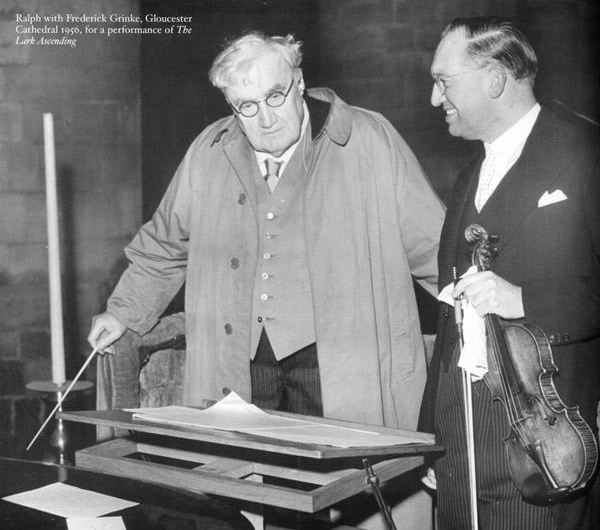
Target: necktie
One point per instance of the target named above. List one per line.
(272, 176)
(487, 182)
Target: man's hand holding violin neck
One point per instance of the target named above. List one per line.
(489, 293)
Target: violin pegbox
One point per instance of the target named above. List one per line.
(484, 251)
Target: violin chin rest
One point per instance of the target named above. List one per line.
(535, 491)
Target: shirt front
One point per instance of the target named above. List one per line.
(501, 155)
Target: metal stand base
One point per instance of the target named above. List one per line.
(373, 480)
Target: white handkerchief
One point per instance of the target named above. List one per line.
(551, 198)
(473, 357)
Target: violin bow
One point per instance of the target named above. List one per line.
(468, 408)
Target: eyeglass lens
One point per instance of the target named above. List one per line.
(275, 99)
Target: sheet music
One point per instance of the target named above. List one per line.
(69, 501)
(232, 413)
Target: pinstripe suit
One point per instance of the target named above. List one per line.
(291, 385)
(553, 254)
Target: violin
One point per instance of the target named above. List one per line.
(551, 450)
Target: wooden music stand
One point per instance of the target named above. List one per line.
(291, 475)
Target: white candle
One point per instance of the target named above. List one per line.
(56, 320)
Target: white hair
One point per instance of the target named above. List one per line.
(240, 55)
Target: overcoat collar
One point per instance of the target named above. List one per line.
(329, 114)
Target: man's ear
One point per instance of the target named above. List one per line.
(301, 86)
(498, 78)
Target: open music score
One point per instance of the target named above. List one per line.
(232, 413)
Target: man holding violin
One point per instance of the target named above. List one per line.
(537, 188)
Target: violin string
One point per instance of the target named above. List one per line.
(481, 258)
(514, 410)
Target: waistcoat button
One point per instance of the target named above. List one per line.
(228, 328)
(235, 263)
(242, 198)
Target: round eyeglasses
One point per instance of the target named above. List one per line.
(441, 81)
(275, 99)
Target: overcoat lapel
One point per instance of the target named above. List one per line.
(243, 161)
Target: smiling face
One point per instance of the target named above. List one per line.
(465, 96)
(273, 129)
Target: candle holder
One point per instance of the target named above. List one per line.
(58, 445)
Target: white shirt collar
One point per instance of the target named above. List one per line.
(510, 140)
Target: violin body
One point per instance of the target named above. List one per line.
(551, 451)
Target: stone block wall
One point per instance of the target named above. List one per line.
(92, 90)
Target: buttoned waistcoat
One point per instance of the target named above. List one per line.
(282, 298)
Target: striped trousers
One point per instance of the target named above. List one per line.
(290, 385)
(500, 505)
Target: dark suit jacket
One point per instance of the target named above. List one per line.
(552, 252)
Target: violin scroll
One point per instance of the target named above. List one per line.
(484, 251)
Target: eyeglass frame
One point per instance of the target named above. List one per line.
(266, 100)
(440, 80)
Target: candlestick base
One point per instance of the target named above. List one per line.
(57, 442)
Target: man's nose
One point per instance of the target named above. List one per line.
(266, 116)
(437, 96)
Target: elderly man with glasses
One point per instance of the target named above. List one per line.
(298, 224)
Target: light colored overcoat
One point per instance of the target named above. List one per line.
(372, 222)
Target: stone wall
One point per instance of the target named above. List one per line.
(92, 90)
